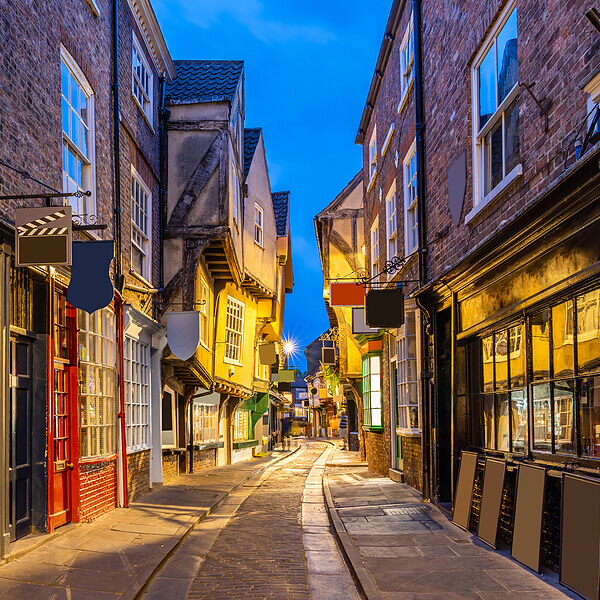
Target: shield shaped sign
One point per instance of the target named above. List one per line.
(183, 333)
(90, 287)
(457, 183)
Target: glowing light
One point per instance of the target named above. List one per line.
(290, 346)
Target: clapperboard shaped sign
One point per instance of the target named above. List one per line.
(43, 236)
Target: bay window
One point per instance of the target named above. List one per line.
(371, 381)
(97, 383)
(407, 377)
(137, 393)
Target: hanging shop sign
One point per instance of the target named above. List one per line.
(267, 353)
(384, 308)
(183, 333)
(358, 322)
(274, 372)
(346, 294)
(328, 356)
(43, 236)
(91, 287)
(287, 375)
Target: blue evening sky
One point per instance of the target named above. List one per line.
(308, 69)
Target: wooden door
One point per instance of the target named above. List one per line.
(20, 468)
(63, 413)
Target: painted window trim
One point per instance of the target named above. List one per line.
(147, 275)
(405, 169)
(388, 139)
(480, 199)
(135, 45)
(258, 209)
(78, 74)
(227, 360)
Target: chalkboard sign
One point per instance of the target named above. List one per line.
(529, 509)
(461, 512)
(580, 535)
(491, 500)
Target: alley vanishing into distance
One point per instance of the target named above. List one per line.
(307, 523)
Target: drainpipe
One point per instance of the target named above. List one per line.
(163, 117)
(117, 145)
(420, 152)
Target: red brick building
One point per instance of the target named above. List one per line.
(78, 399)
(507, 181)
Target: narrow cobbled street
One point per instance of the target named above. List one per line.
(273, 541)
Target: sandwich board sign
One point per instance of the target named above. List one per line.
(43, 236)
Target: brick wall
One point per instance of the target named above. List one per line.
(203, 459)
(170, 467)
(376, 445)
(97, 489)
(138, 473)
(412, 459)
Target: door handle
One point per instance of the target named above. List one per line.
(69, 465)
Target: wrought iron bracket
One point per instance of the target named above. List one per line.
(538, 102)
(77, 194)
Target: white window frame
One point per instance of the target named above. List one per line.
(388, 139)
(241, 425)
(205, 424)
(167, 433)
(234, 331)
(407, 362)
(410, 201)
(375, 248)
(138, 411)
(84, 207)
(137, 227)
(372, 158)
(407, 64)
(258, 225)
(372, 390)
(234, 182)
(391, 223)
(98, 406)
(147, 92)
(480, 198)
(204, 309)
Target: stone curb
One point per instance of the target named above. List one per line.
(139, 587)
(365, 584)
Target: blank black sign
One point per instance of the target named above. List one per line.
(580, 535)
(527, 528)
(491, 500)
(461, 512)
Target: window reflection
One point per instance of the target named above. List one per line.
(588, 345)
(540, 345)
(563, 417)
(589, 416)
(542, 417)
(518, 402)
(562, 339)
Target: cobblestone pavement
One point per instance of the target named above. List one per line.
(259, 553)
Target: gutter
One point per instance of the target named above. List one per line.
(119, 279)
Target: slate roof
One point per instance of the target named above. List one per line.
(251, 137)
(281, 207)
(204, 81)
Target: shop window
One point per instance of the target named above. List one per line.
(371, 380)
(97, 383)
(137, 393)
(407, 378)
(206, 423)
(565, 356)
(503, 397)
(78, 152)
(241, 426)
(496, 109)
(141, 225)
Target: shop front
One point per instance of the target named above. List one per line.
(516, 328)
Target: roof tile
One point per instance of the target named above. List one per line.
(251, 137)
(281, 207)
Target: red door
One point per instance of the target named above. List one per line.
(63, 433)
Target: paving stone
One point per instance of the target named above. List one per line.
(162, 587)
(388, 551)
(89, 579)
(435, 551)
(320, 562)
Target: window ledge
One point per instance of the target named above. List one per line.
(140, 278)
(408, 432)
(136, 449)
(245, 444)
(229, 361)
(404, 98)
(259, 245)
(373, 428)
(487, 200)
